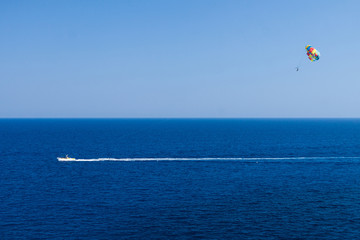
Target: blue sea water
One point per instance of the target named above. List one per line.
(180, 179)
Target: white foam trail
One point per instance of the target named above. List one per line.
(205, 159)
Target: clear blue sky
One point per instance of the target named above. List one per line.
(200, 58)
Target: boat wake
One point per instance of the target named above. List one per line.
(212, 159)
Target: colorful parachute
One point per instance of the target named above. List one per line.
(312, 53)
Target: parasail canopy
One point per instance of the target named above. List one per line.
(312, 53)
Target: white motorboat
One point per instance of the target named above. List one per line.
(67, 158)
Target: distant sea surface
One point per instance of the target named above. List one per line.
(180, 179)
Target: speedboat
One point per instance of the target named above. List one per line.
(67, 158)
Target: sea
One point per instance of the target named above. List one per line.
(180, 179)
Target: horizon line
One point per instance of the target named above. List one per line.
(169, 118)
